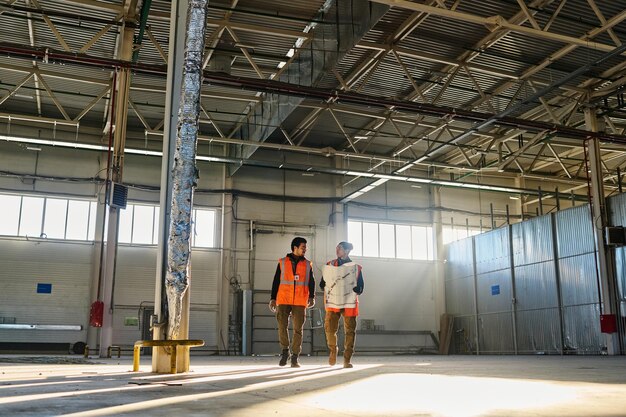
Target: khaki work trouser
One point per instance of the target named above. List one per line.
(298, 316)
(331, 325)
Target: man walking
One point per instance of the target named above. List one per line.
(331, 322)
(293, 290)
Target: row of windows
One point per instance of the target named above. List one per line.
(59, 218)
(139, 224)
(55, 218)
(400, 241)
(386, 240)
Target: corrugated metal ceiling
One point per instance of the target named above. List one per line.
(260, 20)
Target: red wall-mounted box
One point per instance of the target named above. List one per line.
(608, 324)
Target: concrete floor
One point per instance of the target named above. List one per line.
(455, 386)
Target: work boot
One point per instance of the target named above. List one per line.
(332, 357)
(284, 357)
(294, 361)
(346, 363)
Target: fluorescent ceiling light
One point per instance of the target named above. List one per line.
(379, 182)
(281, 64)
(391, 177)
(422, 180)
(290, 53)
(359, 174)
(53, 143)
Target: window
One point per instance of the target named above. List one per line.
(10, 219)
(422, 243)
(403, 235)
(203, 228)
(143, 223)
(30, 217)
(355, 236)
(125, 229)
(370, 239)
(55, 217)
(386, 240)
(79, 219)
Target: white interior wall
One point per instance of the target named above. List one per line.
(67, 266)
(400, 300)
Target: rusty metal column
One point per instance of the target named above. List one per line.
(124, 52)
(182, 181)
(599, 217)
(175, 61)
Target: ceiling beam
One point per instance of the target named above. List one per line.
(497, 22)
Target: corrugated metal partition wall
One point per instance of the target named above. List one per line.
(617, 208)
(494, 292)
(579, 281)
(542, 300)
(537, 316)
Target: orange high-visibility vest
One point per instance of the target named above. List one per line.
(348, 312)
(294, 288)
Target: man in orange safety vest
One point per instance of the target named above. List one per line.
(293, 290)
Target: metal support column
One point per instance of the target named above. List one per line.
(227, 255)
(475, 281)
(176, 51)
(124, 52)
(605, 272)
(439, 284)
(97, 255)
(513, 292)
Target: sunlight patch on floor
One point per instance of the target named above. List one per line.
(449, 396)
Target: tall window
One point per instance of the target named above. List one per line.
(387, 240)
(203, 235)
(10, 219)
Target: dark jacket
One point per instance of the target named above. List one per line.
(294, 262)
(360, 285)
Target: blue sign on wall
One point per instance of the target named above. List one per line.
(44, 288)
(495, 289)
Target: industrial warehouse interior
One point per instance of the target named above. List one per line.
(158, 158)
